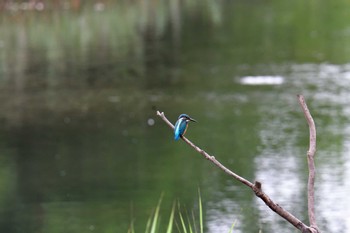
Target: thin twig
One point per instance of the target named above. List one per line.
(311, 164)
(256, 187)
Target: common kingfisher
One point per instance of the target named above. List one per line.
(181, 125)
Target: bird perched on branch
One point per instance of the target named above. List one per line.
(181, 125)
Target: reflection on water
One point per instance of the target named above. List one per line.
(280, 164)
(82, 150)
(262, 80)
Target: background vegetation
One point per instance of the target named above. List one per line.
(81, 148)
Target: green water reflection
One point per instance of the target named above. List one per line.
(81, 148)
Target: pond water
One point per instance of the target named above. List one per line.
(81, 147)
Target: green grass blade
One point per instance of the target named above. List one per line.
(194, 222)
(189, 222)
(171, 220)
(131, 227)
(148, 225)
(182, 220)
(200, 211)
(156, 215)
(233, 225)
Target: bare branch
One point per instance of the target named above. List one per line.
(206, 155)
(256, 187)
(310, 160)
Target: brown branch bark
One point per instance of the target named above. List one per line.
(256, 187)
(311, 164)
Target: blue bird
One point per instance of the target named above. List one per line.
(181, 125)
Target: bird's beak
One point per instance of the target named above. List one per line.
(191, 119)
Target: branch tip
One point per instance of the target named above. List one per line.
(311, 164)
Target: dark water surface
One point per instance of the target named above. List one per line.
(81, 147)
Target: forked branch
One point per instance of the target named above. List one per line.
(256, 187)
